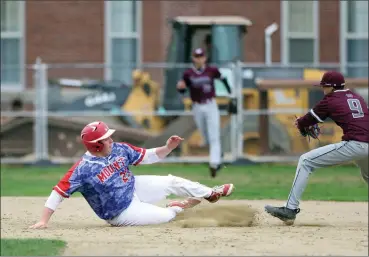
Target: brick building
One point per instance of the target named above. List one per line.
(329, 31)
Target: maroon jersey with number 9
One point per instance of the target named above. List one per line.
(347, 109)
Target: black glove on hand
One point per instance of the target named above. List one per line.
(311, 132)
(232, 106)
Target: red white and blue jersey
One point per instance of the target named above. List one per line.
(106, 183)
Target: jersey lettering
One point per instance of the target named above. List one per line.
(108, 171)
(355, 107)
(125, 175)
(206, 88)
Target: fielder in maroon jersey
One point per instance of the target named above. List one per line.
(350, 112)
(200, 81)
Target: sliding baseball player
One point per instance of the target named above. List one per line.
(104, 179)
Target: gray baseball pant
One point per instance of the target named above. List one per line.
(328, 155)
(207, 119)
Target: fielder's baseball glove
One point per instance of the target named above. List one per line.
(311, 132)
(232, 106)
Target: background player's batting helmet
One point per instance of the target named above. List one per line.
(93, 133)
(332, 79)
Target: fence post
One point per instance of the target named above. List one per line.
(233, 127)
(37, 123)
(41, 111)
(239, 95)
(45, 110)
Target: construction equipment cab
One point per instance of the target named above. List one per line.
(221, 36)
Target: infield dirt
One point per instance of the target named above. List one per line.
(224, 228)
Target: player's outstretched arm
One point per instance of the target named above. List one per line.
(154, 155)
(50, 206)
(46, 215)
(316, 115)
(170, 145)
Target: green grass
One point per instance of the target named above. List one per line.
(340, 183)
(31, 247)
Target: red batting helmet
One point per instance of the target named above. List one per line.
(93, 133)
(332, 79)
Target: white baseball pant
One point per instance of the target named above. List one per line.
(328, 155)
(152, 189)
(207, 119)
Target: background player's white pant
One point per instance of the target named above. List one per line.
(328, 155)
(150, 190)
(207, 119)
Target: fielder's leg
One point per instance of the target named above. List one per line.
(213, 126)
(363, 165)
(200, 121)
(328, 155)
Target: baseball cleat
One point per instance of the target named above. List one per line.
(286, 215)
(214, 171)
(219, 191)
(185, 204)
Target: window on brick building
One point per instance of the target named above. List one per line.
(354, 38)
(300, 31)
(12, 40)
(122, 39)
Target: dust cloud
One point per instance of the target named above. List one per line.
(217, 216)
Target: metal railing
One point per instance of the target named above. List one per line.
(235, 139)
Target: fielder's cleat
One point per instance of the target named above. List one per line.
(214, 171)
(219, 191)
(288, 216)
(185, 204)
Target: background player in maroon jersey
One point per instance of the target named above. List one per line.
(349, 111)
(200, 81)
